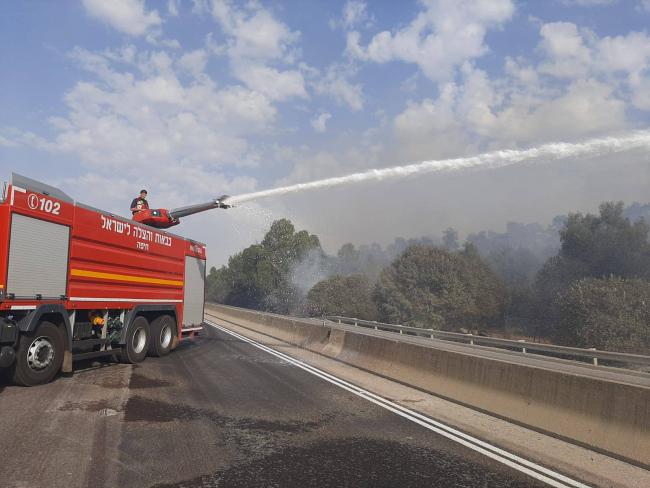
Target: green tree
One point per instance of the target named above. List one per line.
(607, 244)
(611, 314)
(432, 287)
(594, 246)
(259, 276)
(349, 296)
(217, 286)
(348, 260)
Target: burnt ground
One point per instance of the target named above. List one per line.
(218, 412)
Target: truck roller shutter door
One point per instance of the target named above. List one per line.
(194, 291)
(38, 258)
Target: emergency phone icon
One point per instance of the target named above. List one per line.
(32, 201)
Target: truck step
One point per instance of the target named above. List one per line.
(94, 354)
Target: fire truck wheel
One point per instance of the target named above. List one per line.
(163, 329)
(39, 356)
(137, 341)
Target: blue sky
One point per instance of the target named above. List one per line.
(193, 99)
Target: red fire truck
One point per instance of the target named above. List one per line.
(78, 283)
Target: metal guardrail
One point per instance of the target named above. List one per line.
(518, 345)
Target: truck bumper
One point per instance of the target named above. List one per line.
(8, 340)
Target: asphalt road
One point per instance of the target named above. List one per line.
(219, 412)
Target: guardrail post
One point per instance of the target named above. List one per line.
(471, 339)
(401, 331)
(523, 349)
(339, 321)
(356, 323)
(595, 358)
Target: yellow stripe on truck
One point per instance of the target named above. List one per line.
(83, 273)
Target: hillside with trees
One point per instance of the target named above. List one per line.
(583, 280)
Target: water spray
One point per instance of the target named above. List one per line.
(489, 160)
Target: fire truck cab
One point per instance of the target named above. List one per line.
(79, 283)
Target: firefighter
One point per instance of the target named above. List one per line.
(140, 203)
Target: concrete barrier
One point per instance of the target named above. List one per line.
(605, 415)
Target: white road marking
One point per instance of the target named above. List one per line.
(530, 468)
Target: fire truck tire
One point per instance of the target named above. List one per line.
(39, 356)
(163, 329)
(137, 341)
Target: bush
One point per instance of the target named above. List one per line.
(349, 296)
(610, 314)
(432, 287)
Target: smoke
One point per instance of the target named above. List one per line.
(366, 260)
(313, 268)
(490, 160)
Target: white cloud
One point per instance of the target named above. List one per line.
(337, 85)
(565, 50)
(319, 123)
(354, 14)
(275, 84)
(431, 128)
(200, 7)
(256, 43)
(253, 32)
(12, 137)
(157, 41)
(172, 7)
(442, 36)
(586, 108)
(641, 95)
(629, 54)
(622, 62)
(573, 54)
(128, 16)
(483, 113)
(645, 5)
(137, 115)
(194, 62)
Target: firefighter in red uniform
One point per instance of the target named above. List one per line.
(140, 203)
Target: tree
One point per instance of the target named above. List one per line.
(607, 244)
(594, 246)
(638, 211)
(348, 260)
(217, 287)
(349, 296)
(433, 287)
(611, 314)
(259, 276)
(450, 239)
(515, 266)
